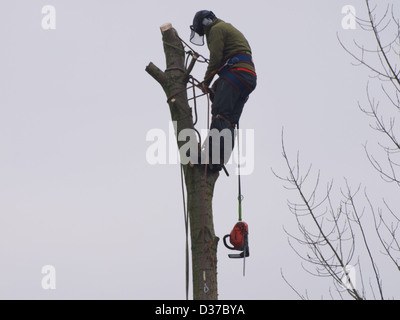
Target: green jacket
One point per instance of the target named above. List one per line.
(224, 41)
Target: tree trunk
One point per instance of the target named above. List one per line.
(200, 192)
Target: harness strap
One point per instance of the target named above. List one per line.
(240, 196)
(231, 76)
(228, 72)
(236, 58)
(245, 70)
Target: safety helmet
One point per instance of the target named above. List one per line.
(197, 34)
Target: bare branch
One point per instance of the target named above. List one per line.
(326, 244)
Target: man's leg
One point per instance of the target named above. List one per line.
(221, 139)
(227, 108)
(251, 81)
(225, 100)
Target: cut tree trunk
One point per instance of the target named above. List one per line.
(199, 192)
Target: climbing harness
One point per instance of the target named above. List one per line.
(231, 74)
(239, 57)
(239, 236)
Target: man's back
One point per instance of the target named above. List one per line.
(225, 41)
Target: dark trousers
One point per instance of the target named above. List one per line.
(226, 110)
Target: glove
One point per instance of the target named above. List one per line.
(205, 89)
(209, 91)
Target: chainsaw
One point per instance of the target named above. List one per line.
(239, 239)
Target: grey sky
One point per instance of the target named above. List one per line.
(76, 191)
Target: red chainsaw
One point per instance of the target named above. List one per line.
(239, 239)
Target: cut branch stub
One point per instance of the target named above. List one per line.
(165, 27)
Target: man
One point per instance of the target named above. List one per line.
(231, 59)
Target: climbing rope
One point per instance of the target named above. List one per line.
(204, 200)
(240, 196)
(193, 52)
(186, 218)
(190, 52)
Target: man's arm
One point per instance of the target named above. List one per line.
(216, 47)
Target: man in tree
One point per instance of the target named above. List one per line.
(231, 59)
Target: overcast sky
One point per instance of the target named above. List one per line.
(76, 190)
